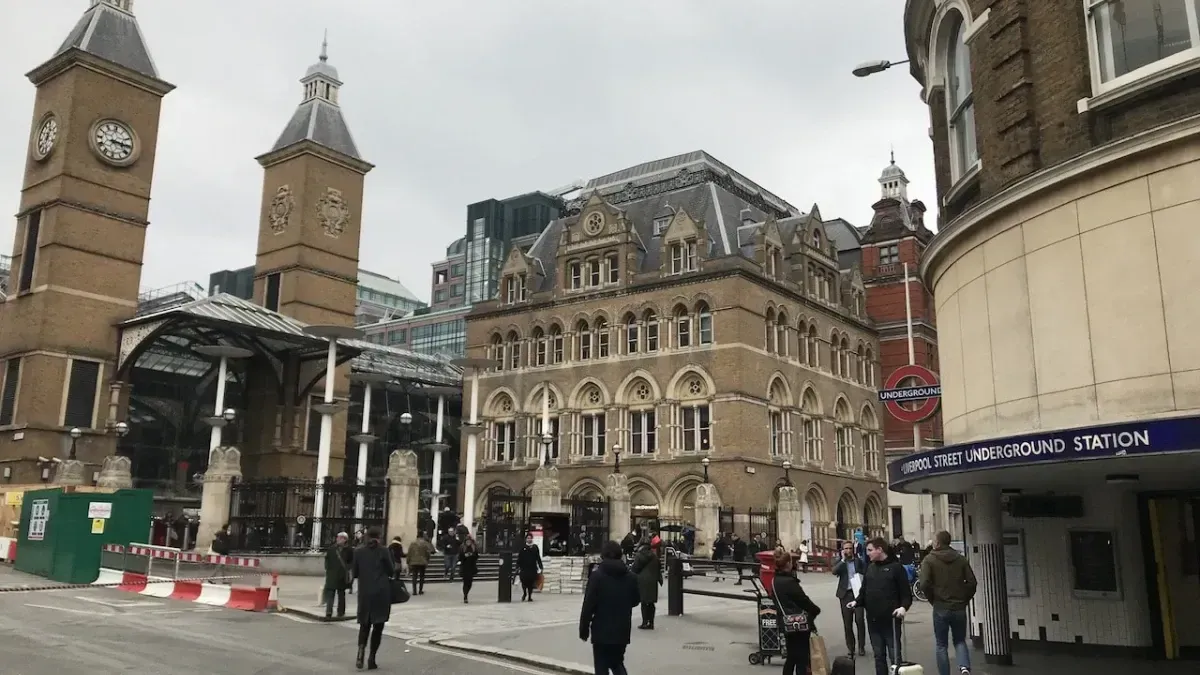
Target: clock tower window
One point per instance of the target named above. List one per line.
(33, 228)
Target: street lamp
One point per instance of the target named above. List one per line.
(547, 441)
(787, 467)
(869, 68)
(406, 426)
(76, 433)
(121, 429)
(704, 463)
(616, 450)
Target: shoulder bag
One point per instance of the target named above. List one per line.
(794, 620)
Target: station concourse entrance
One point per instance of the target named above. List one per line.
(1171, 542)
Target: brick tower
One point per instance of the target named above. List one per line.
(80, 235)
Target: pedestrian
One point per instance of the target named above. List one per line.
(468, 564)
(949, 584)
(396, 548)
(220, 542)
(529, 567)
(720, 551)
(804, 556)
(648, 567)
(798, 612)
(886, 596)
(419, 553)
(337, 576)
(607, 613)
(739, 555)
(450, 546)
(846, 569)
(373, 568)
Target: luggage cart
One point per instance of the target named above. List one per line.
(770, 633)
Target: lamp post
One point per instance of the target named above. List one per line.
(364, 438)
(787, 468)
(223, 353)
(547, 441)
(438, 447)
(331, 333)
(869, 68)
(76, 433)
(704, 463)
(473, 365)
(406, 429)
(616, 450)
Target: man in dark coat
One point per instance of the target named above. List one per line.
(529, 566)
(337, 575)
(374, 569)
(886, 596)
(648, 567)
(607, 614)
(450, 547)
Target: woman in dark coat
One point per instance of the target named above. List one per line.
(529, 566)
(373, 568)
(790, 599)
(468, 565)
(648, 568)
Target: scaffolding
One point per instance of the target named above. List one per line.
(157, 299)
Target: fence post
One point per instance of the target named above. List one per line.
(675, 586)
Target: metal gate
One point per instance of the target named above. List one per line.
(589, 525)
(762, 521)
(725, 520)
(276, 514)
(505, 522)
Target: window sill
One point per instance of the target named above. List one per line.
(964, 183)
(1141, 85)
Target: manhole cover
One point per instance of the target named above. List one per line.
(699, 646)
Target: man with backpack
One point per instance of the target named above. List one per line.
(949, 584)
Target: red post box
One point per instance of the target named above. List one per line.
(766, 570)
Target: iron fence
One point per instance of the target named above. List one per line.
(759, 522)
(725, 520)
(276, 514)
(589, 525)
(505, 522)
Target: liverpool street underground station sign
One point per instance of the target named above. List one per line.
(1169, 436)
(926, 393)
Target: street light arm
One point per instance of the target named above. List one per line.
(869, 68)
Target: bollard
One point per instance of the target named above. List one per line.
(504, 591)
(675, 587)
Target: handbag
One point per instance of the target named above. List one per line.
(818, 655)
(541, 581)
(400, 592)
(793, 622)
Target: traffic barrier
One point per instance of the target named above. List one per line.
(8, 549)
(138, 560)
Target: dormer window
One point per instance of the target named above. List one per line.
(511, 290)
(889, 255)
(613, 265)
(593, 272)
(575, 271)
(683, 256)
(522, 290)
(816, 239)
(660, 225)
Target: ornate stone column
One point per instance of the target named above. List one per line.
(790, 515)
(708, 518)
(115, 473)
(69, 472)
(224, 467)
(546, 494)
(620, 509)
(404, 495)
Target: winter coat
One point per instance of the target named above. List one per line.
(468, 562)
(397, 551)
(419, 552)
(220, 543)
(337, 572)
(948, 580)
(608, 602)
(529, 564)
(648, 568)
(885, 588)
(739, 550)
(450, 545)
(790, 597)
(373, 568)
(841, 570)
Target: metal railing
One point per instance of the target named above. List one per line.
(703, 567)
(165, 564)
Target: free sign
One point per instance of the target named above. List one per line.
(923, 390)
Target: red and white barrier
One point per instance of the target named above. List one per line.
(261, 598)
(8, 549)
(164, 553)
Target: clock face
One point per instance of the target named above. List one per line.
(46, 136)
(114, 141)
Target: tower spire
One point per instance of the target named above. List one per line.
(892, 182)
(325, 47)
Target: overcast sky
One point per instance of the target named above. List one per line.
(456, 101)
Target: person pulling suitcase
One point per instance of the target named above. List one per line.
(886, 596)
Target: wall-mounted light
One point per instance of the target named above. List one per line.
(95, 477)
(7, 472)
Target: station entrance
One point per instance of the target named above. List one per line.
(1171, 541)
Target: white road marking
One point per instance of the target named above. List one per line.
(421, 644)
(72, 611)
(292, 617)
(161, 612)
(120, 604)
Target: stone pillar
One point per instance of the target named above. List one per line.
(404, 496)
(708, 518)
(620, 510)
(546, 494)
(790, 518)
(224, 467)
(992, 598)
(69, 472)
(115, 473)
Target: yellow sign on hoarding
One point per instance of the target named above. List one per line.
(97, 525)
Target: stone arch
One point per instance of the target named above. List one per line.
(602, 314)
(842, 410)
(809, 401)
(814, 509)
(580, 316)
(779, 392)
(700, 297)
(847, 514)
(481, 501)
(584, 385)
(936, 73)
(673, 388)
(675, 501)
(867, 418)
(874, 519)
(533, 402)
(625, 395)
(495, 403)
(584, 487)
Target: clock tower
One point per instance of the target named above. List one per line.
(81, 229)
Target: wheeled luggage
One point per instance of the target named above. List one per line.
(902, 667)
(842, 665)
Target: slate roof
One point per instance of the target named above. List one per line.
(111, 34)
(321, 122)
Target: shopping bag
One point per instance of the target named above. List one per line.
(399, 592)
(541, 580)
(818, 656)
(902, 667)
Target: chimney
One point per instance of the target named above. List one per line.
(747, 217)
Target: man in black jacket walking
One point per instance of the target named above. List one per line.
(886, 596)
(607, 614)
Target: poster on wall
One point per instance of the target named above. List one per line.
(39, 515)
(1015, 571)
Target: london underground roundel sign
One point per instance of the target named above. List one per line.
(923, 389)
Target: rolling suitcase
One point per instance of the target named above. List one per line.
(842, 665)
(902, 667)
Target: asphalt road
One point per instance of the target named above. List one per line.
(97, 631)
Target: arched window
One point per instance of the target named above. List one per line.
(502, 432)
(810, 412)
(601, 338)
(869, 367)
(496, 351)
(844, 426)
(541, 432)
(650, 319)
(538, 337)
(583, 334)
(816, 238)
(779, 420)
(704, 323)
(870, 440)
(844, 350)
(683, 327)
(592, 422)
(696, 418)
(781, 334)
(514, 350)
(556, 344)
(642, 421)
(593, 272)
(769, 331)
(814, 344)
(960, 100)
(575, 272)
(633, 341)
(835, 354)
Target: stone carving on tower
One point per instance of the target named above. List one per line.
(281, 209)
(333, 212)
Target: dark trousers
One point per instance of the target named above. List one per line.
(850, 619)
(648, 614)
(329, 594)
(468, 582)
(883, 642)
(609, 658)
(799, 653)
(374, 634)
(418, 578)
(448, 564)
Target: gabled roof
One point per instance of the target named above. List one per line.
(111, 34)
(321, 122)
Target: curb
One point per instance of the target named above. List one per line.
(523, 658)
(315, 615)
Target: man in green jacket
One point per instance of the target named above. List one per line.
(949, 584)
(337, 576)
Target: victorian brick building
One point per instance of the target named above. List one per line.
(679, 312)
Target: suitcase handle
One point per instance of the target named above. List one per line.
(899, 635)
